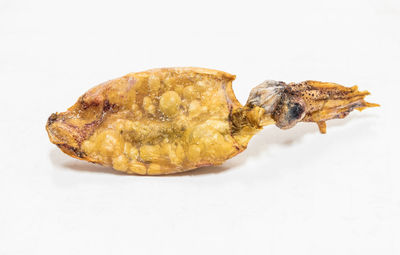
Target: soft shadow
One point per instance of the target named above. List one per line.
(260, 143)
(205, 170)
(272, 135)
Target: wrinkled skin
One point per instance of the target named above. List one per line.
(170, 120)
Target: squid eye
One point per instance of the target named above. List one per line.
(288, 113)
(295, 112)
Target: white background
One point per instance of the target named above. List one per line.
(290, 192)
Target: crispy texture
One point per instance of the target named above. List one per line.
(160, 121)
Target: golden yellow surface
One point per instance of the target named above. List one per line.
(170, 120)
(155, 122)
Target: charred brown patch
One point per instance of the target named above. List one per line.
(51, 119)
(108, 107)
(71, 150)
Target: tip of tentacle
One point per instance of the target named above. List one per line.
(367, 105)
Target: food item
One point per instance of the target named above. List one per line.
(170, 120)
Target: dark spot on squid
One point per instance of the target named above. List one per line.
(76, 151)
(295, 111)
(108, 107)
